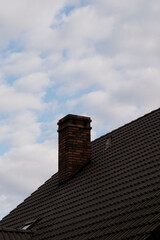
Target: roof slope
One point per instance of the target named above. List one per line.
(115, 197)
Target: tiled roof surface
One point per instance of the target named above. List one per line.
(115, 197)
(14, 234)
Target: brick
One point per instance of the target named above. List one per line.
(74, 145)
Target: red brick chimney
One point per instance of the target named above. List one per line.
(74, 145)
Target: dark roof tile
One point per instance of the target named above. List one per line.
(15, 234)
(116, 196)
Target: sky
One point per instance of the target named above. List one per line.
(97, 58)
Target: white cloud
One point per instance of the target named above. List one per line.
(33, 163)
(21, 63)
(23, 170)
(35, 82)
(28, 21)
(124, 7)
(139, 38)
(144, 87)
(81, 74)
(87, 24)
(20, 130)
(78, 32)
(13, 100)
(104, 109)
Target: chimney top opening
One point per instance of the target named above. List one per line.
(85, 124)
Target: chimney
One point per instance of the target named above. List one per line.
(74, 145)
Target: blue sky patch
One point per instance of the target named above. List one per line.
(4, 148)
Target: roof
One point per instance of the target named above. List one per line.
(12, 234)
(115, 197)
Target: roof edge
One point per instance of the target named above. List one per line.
(132, 121)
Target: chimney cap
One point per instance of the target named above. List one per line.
(72, 120)
(74, 117)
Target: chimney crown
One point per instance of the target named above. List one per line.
(74, 145)
(74, 121)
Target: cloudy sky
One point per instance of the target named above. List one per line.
(99, 58)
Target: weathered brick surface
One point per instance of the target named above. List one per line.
(74, 145)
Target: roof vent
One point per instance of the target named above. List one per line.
(74, 145)
(29, 225)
